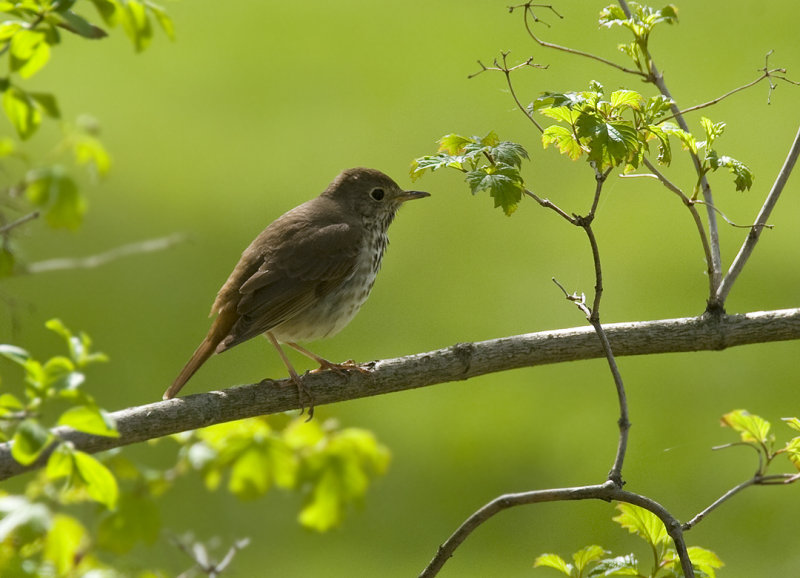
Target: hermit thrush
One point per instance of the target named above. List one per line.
(308, 273)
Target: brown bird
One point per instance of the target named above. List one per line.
(308, 273)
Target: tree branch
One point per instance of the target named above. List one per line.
(21, 221)
(761, 220)
(607, 491)
(456, 363)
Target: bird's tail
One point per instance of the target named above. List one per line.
(219, 329)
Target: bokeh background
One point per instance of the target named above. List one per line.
(257, 105)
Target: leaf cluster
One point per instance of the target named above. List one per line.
(488, 164)
(641, 23)
(756, 432)
(594, 561)
(332, 468)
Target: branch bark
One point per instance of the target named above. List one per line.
(455, 363)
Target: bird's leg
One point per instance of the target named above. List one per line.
(301, 389)
(324, 363)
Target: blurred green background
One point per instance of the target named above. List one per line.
(258, 105)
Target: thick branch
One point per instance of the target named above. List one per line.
(456, 363)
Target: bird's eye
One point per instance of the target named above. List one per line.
(377, 194)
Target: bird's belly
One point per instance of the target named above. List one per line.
(330, 314)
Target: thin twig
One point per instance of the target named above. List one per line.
(527, 10)
(21, 221)
(147, 246)
(698, 222)
(607, 492)
(506, 70)
(755, 233)
(765, 74)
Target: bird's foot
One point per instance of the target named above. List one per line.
(340, 368)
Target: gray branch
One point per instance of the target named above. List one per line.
(456, 363)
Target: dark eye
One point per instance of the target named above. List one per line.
(377, 194)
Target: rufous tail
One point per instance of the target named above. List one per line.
(219, 330)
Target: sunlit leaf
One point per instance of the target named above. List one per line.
(752, 428)
(65, 544)
(21, 111)
(100, 482)
(642, 523)
(705, 560)
(162, 18)
(29, 441)
(91, 420)
(553, 561)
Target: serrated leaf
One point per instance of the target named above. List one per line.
(503, 183)
(29, 441)
(453, 144)
(687, 139)
(617, 566)
(553, 561)
(587, 555)
(641, 522)
(792, 450)
(91, 420)
(743, 176)
(509, 153)
(21, 111)
(751, 428)
(792, 422)
(564, 139)
(712, 130)
(621, 99)
(705, 560)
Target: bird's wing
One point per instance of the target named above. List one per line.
(304, 267)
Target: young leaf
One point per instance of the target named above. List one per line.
(80, 26)
(743, 176)
(617, 566)
(101, 485)
(29, 52)
(553, 561)
(21, 111)
(751, 428)
(65, 544)
(641, 522)
(792, 450)
(712, 130)
(91, 420)
(586, 556)
(162, 18)
(705, 560)
(621, 99)
(792, 422)
(29, 441)
(564, 139)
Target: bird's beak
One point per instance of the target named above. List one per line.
(410, 195)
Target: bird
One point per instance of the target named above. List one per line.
(307, 274)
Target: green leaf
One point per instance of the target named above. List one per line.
(641, 522)
(792, 450)
(622, 99)
(136, 24)
(89, 150)
(258, 467)
(503, 183)
(712, 130)
(47, 103)
(564, 139)
(91, 420)
(101, 484)
(743, 176)
(58, 195)
(705, 560)
(108, 11)
(453, 144)
(163, 19)
(586, 556)
(80, 26)
(28, 51)
(687, 140)
(751, 428)
(10, 404)
(618, 566)
(21, 111)
(29, 441)
(65, 544)
(610, 143)
(792, 422)
(60, 463)
(136, 519)
(553, 561)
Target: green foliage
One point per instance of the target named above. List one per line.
(31, 30)
(489, 165)
(594, 561)
(332, 468)
(641, 24)
(755, 431)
